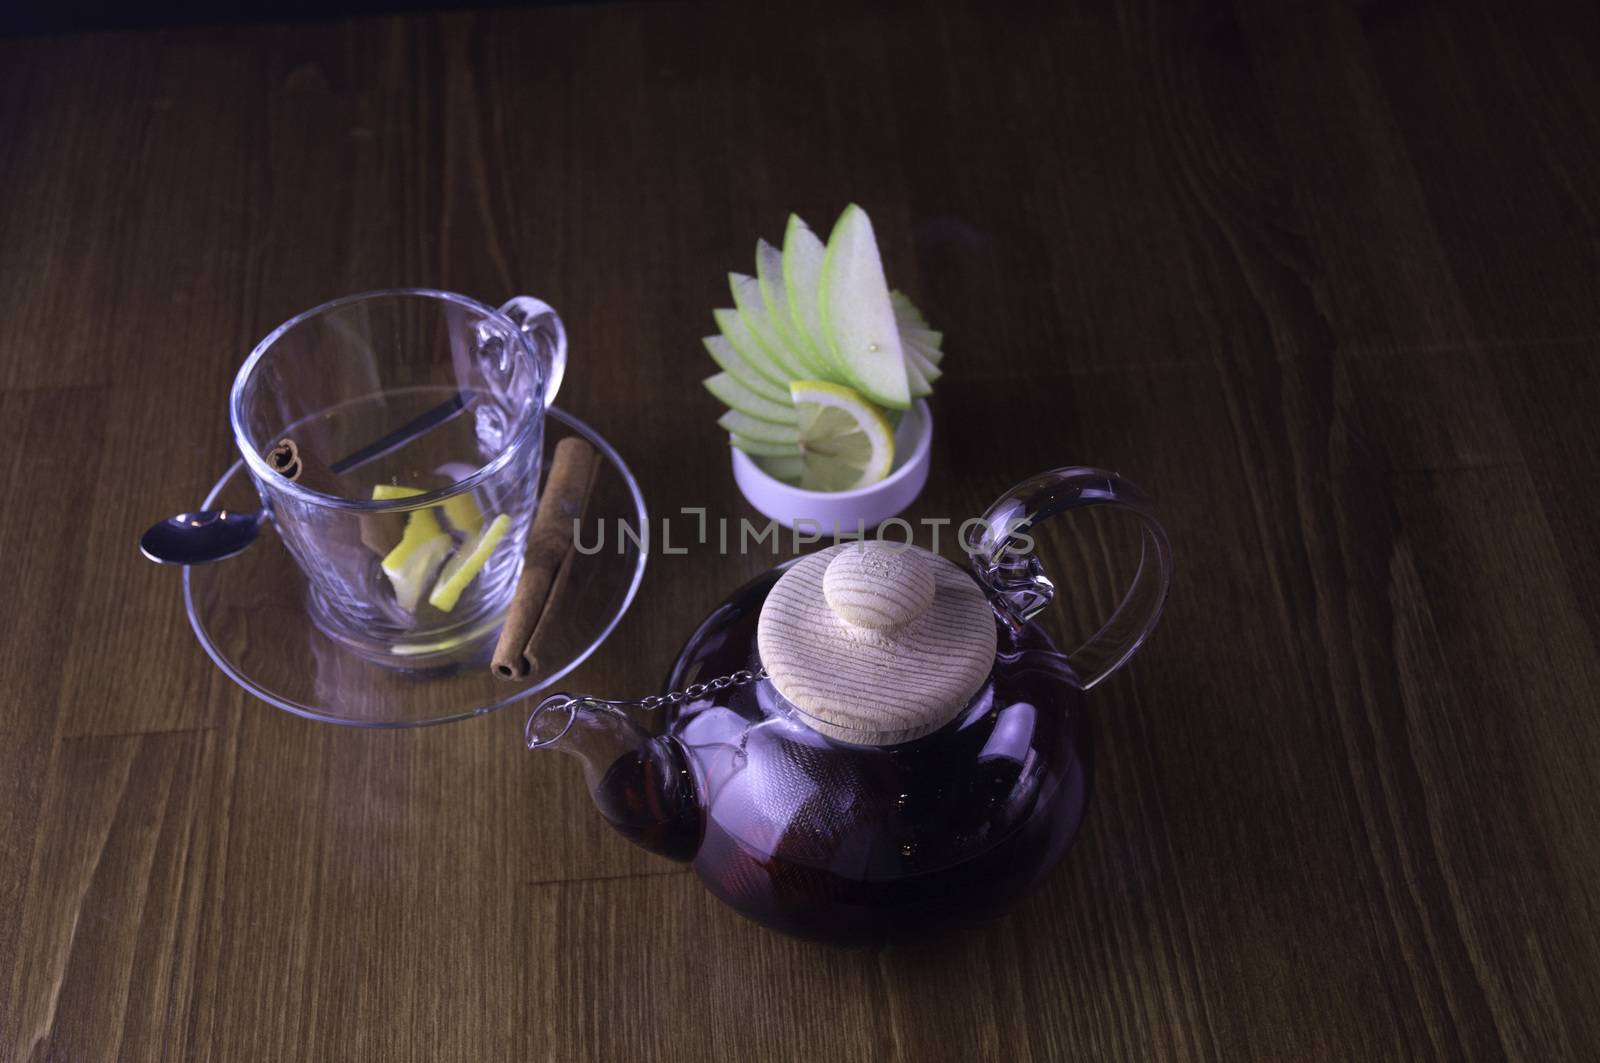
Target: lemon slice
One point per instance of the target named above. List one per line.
(390, 492)
(461, 511)
(464, 567)
(845, 442)
(463, 514)
(422, 527)
(410, 576)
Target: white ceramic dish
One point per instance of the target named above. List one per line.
(846, 511)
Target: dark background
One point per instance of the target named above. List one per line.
(69, 16)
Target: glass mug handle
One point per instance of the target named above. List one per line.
(543, 328)
(1019, 588)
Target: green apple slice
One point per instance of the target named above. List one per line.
(729, 362)
(736, 396)
(769, 275)
(788, 468)
(857, 314)
(914, 331)
(753, 312)
(803, 254)
(906, 312)
(744, 344)
(468, 561)
(757, 449)
(915, 359)
(742, 424)
(920, 386)
(931, 354)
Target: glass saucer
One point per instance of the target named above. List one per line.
(249, 612)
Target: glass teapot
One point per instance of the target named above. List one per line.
(871, 740)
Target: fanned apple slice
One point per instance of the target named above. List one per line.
(915, 333)
(742, 424)
(803, 254)
(857, 314)
(753, 312)
(769, 276)
(906, 312)
(915, 359)
(788, 468)
(729, 362)
(919, 385)
(744, 344)
(736, 396)
(932, 354)
(757, 449)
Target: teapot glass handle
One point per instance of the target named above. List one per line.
(1003, 559)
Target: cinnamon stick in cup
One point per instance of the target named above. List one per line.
(550, 547)
(380, 532)
(302, 468)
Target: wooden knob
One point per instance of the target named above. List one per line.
(828, 639)
(878, 586)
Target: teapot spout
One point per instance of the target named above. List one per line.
(641, 783)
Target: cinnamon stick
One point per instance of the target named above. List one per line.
(558, 591)
(551, 544)
(294, 464)
(380, 532)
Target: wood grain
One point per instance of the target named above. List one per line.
(869, 654)
(1324, 279)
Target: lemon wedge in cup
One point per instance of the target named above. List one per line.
(422, 548)
(389, 492)
(845, 441)
(414, 569)
(463, 514)
(461, 511)
(463, 568)
(422, 527)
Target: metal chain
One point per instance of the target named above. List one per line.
(695, 691)
(692, 692)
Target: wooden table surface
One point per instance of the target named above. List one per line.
(1327, 285)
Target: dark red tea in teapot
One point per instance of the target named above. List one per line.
(870, 741)
(821, 838)
(862, 843)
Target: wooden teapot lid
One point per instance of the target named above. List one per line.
(876, 643)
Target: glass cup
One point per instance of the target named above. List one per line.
(395, 438)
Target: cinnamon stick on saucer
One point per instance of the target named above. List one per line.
(550, 547)
(548, 622)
